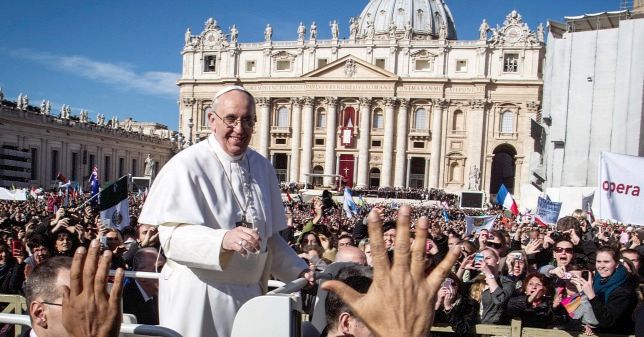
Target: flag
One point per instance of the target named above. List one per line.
(113, 204)
(619, 182)
(94, 184)
(13, 195)
(504, 198)
(587, 202)
(348, 205)
(548, 210)
(476, 223)
(288, 196)
(445, 215)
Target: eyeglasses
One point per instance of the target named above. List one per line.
(232, 121)
(51, 303)
(561, 250)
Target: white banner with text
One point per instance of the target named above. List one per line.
(621, 178)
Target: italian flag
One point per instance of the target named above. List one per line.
(113, 203)
(504, 198)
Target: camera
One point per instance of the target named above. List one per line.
(478, 257)
(556, 236)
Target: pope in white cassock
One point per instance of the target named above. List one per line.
(219, 209)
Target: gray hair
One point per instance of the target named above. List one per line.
(42, 280)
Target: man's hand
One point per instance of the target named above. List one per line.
(241, 239)
(400, 301)
(88, 310)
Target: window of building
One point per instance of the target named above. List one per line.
(374, 177)
(420, 119)
(380, 63)
(320, 121)
(250, 66)
(121, 167)
(282, 117)
(317, 180)
(283, 65)
(74, 166)
(507, 122)
(455, 172)
(34, 163)
(106, 168)
(510, 63)
(54, 164)
(322, 62)
(423, 65)
(209, 63)
(134, 168)
(319, 141)
(376, 143)
(378, 119)
(280, 141)
(419, 145)
(92, 162)
(461, 66)
(458, 121)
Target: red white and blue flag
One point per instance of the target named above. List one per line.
(504, 198)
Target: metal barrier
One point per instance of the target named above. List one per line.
(515, 329)
(15, 304)
(139, 329)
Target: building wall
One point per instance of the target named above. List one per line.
(392, 77)
(592, 94)
(29, 130)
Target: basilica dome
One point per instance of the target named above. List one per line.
(424, 17)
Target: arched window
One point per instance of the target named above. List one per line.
(320, 121)
(317, 180)
(378, 119)
(282, 116)
(204, 118)
(507, 122)
(458, 121)
(420, 119)
(455, 172)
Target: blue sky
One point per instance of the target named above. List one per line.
(122, 57)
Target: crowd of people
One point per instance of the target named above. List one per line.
(216, 227)
(576, 275)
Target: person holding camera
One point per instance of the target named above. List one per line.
(571, 308)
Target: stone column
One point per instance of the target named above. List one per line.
(437, 121)
(264, 124)
(388, 146)
(331, 139)
(307, 140)
(296, 136)
(475, 126)
(363, 142)
(401, 145)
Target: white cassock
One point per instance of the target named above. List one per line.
(201, 286)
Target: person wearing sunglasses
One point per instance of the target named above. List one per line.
(563, 253)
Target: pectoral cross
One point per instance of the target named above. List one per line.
(243, 222)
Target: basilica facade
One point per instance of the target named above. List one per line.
(400, 103)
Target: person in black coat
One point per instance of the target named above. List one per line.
(533, 307)
(140, 295)
(455, 308)
(12, 272)
(611, 292)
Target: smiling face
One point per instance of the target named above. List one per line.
(236, 105)
(605, 264)
(63, 242)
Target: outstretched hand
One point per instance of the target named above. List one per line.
(88, 310)
(400, 301)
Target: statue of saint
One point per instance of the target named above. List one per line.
(314, 31)
(234, 33)
(540, 33)
(43, 106)
(1, 95)
(301, 31)
(353, 28)
(149, 166)
(210, 24)
(371, 30)
(335, 30)
(483, 29)
(442, 32)
(408, 31)
(268, 33)
(475, 178)
(128, 124)
(392, 30)
(47, 108)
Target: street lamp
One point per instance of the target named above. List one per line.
(182, 140)
(190, 125)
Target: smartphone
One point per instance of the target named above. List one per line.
(16, 247)
(478, 257)
(585, 274)
(428, 246)
(447, 283)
